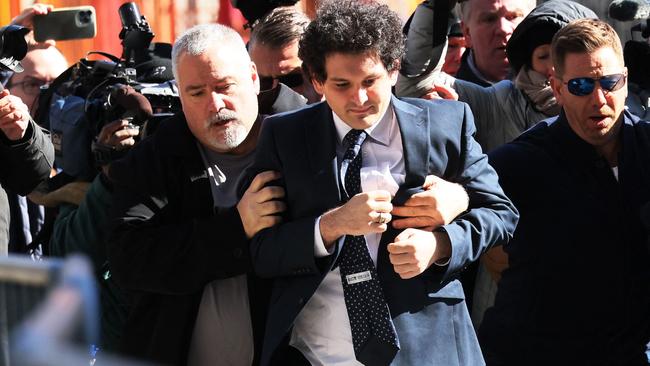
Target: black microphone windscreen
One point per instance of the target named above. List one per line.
(628, 10)
(129, 99)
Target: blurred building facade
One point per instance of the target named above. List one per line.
(168, 18)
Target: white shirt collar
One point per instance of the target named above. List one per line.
(380, 132)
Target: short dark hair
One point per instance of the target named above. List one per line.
(583, 36)
(351, 27)
(279, 27)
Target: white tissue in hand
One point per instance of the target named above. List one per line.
(373, 179)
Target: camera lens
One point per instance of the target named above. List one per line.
(85, 16)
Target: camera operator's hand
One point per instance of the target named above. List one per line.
(118, 135)
(14, 116)
(26, 19)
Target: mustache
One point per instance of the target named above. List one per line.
(223, 116)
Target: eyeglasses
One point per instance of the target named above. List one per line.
(585, 86)
(30, 86)
(291, 80)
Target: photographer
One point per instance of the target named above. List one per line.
(26, 153)
(26, 156)
(82, 228)
(42, 64)
(102, 109)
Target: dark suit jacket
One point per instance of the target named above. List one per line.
(437, 139)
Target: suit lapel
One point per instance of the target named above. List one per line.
(414, 129)
(320, 135)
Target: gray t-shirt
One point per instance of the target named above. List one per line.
(223, 333)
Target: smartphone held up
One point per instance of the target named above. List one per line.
(66, 24)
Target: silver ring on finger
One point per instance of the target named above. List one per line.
(381, 219)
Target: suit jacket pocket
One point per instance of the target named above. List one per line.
(451, 293)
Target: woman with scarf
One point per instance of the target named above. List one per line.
(506, 109)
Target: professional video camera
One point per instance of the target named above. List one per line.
(137, 86)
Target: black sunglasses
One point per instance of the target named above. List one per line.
(585, 86)
(291, 80)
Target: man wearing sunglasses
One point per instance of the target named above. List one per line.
(577, 287)
(274, 49)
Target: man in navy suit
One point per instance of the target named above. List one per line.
(348, 288)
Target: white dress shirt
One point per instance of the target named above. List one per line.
(322, 329)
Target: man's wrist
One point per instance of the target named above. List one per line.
(329, 228)
(442, 254)
(26, 135)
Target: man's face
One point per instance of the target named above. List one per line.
(595, 117)
(455, 49)
(218, 91)
(41, 66)
(281, 65)
(357, 88)
(487, 31)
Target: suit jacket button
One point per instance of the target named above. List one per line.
(237, 252)
(301, 301)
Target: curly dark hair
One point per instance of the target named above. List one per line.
(352, 27)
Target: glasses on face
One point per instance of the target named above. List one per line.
(291, 80)
(585, 86)
(30, 86)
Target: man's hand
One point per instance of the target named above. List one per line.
(358, 216)
(440, 91)
(496, 261)
(260, 206)
(14, 116)
(438, 205)
(117, 134)
(26, 19)
(415, 250)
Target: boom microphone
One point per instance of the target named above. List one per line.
(629, 10)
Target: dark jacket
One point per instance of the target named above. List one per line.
(280, 99)
(25, 163)
(167, 241)
(466, 73)
(539, 27)
(577, 290)
(83, 229)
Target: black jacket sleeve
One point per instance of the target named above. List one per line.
(26, 162)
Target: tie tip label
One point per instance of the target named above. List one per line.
(358, 277)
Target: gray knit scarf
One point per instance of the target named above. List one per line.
(538, 89)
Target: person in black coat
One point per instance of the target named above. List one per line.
(179, 238)
(26, 156)
(577, 287)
